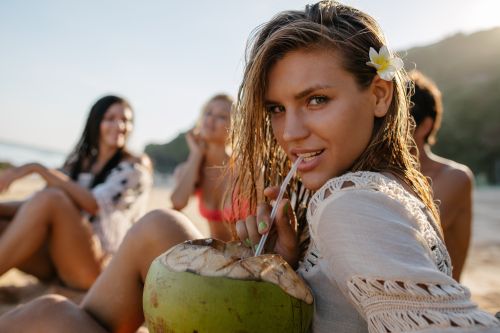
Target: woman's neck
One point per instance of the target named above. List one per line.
(216, 155)
(427, 159)
(105, 153)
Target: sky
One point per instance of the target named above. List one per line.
(166, 57)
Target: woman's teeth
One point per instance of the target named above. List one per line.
(309, 156)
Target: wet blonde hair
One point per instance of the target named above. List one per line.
(326, 25)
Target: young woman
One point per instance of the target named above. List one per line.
(316, 86)
(202, 173)
(71, 227)
(375, 260)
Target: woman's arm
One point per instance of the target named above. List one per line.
(10, 175)
(186, 175)
(381, 259)
(82, 197)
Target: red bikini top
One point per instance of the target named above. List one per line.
(224, 215)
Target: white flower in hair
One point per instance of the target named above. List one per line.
(385, 64)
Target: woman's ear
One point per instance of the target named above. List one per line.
(382, 91)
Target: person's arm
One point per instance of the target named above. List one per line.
(381, 260)
(81, 196)
(186, 175)
(7, 177)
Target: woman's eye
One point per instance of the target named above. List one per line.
(318, 100)
(274, 108)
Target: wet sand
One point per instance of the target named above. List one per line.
(481, 273)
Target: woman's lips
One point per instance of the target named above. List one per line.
(310, 160)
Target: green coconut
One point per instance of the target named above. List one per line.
(211, 286)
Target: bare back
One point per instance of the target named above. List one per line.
(452, 184)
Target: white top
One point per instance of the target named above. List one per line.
(122, 199)
(376, 263)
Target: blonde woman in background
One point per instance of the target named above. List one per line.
(202, 175)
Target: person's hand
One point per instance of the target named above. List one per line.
(283, 234)
(7, 177)
(196, 144)
(10, 175)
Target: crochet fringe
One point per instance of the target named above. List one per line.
(396, 306)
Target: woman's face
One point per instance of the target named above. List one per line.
(116, 126)
(215, 121)
(319, 112)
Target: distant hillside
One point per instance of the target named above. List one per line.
(467, 70)
(166, 156)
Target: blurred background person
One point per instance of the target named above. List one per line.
(452, 182)
(70, 228)
(202, 175)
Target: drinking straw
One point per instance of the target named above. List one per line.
(274, 211)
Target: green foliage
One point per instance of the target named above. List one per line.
(5, 165)
(166, 156)
(466, 69)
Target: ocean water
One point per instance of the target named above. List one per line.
(18, 154)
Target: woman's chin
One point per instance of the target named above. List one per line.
(215, 140)
(312, 182)
(116, 144)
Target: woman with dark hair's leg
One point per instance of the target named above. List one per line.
(51, 219)
(114, 303)
(70, 229)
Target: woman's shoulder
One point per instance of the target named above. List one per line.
(142, 159)
(141, 162)
(130, 170)
(353, 185)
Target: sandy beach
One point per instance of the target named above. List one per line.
(481, 274)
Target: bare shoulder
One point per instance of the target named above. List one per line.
(453, 179)
(456, 173)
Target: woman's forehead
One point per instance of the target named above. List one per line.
(119, 109)
(300, 70)
(219, 106)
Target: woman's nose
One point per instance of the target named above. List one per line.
(121, 124)
(209, 120)
(295, 126)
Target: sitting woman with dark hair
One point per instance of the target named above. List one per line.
(70, 228)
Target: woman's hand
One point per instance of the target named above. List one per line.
(11, 175)
(196, 144)
(283, 236)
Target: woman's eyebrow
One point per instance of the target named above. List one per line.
(303, 93)
(309, 90)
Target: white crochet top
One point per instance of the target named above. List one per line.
(122, 199)
(377, 264)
